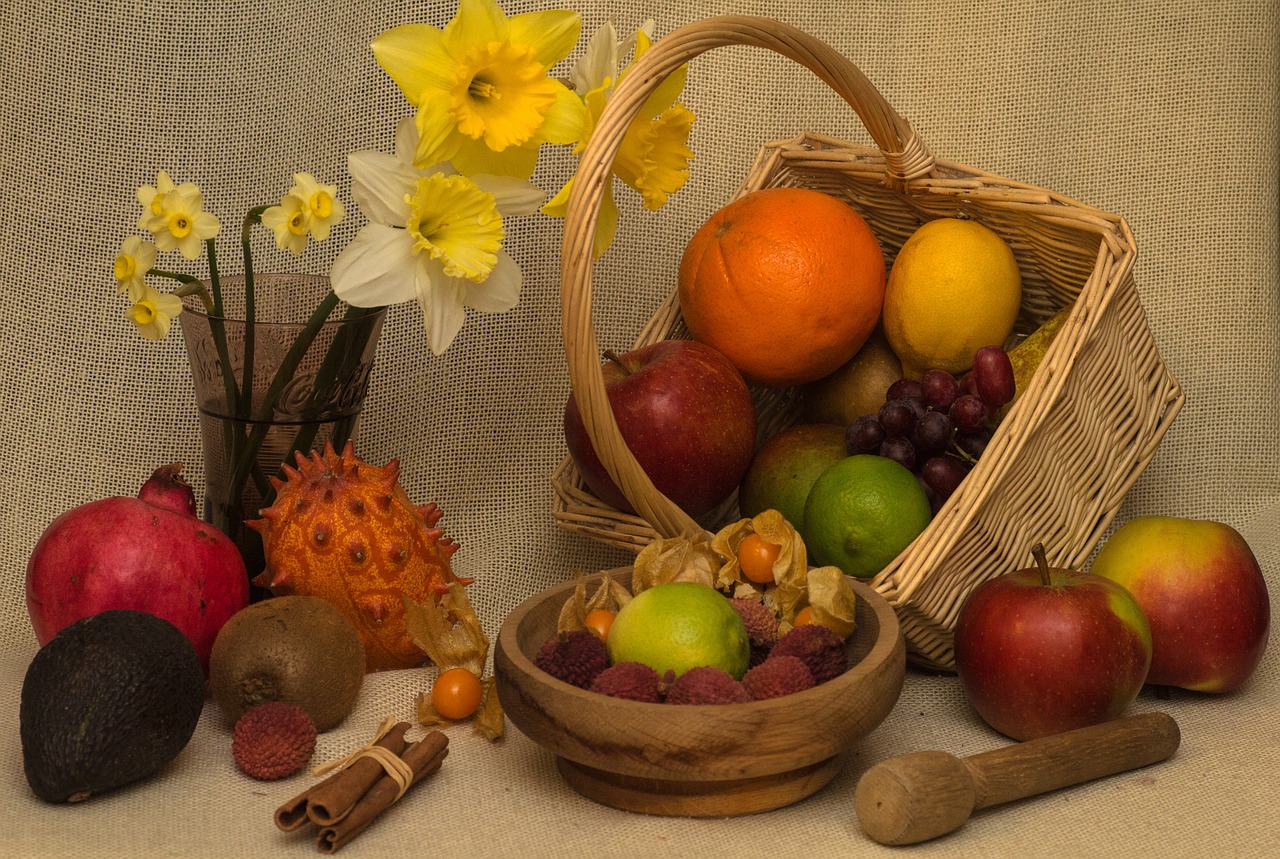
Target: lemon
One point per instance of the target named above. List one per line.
(953, 288)
(678, 626)
(862, 512)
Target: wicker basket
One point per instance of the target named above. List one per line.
(1067, 452)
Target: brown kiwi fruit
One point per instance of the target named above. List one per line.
(298, 649)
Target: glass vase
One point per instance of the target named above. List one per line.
(308, 358)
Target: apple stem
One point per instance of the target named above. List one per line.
(613, 356)
(1038, 552)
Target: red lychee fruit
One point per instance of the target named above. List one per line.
(819, 648)
(778, 676)
(707, 685)
(575, 657)
(633, 681)
(273, 740)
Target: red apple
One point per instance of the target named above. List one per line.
(1045, 650)
(686, 414)
(1203, 593)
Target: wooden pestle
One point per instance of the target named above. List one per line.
(922, 795)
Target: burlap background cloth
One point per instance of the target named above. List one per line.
(1161, 110)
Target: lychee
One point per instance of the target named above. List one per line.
(778, 676)
(762, 627)
(819, 648)
(273, 740)
(707, 685)
(633, 681)
(575, 657)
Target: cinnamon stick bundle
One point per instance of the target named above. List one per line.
(331, 799)
(347, 802)
(423, 757)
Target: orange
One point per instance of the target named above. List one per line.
(787, 282)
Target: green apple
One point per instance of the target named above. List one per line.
(1204, 596)
(785, 467)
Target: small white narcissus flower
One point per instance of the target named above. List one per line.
(436, 236)
(135, 259)
(308, 209)
(175, 216)
(152, 312)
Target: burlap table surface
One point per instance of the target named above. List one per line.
(1160, 110)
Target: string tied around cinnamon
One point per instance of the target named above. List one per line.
(399, 771)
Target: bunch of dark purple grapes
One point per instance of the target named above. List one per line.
(938, 426)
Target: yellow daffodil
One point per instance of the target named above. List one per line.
(175, 216)
(135, 259)
(152, 312)
(485, 101)
(436, 236)
(653, 157)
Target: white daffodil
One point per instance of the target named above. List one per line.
(152, 312)
(175, 216)
(482, 88)
(653, 157)
(436, 236)
(135, 259)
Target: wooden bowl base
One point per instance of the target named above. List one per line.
(678, 798)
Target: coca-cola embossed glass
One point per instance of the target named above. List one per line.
(309, 358)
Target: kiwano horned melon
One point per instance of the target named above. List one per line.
(345, 531)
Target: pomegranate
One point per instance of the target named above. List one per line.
(148, 553)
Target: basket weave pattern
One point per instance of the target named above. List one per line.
(1063, 458)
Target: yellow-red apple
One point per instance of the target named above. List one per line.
(1203, 593)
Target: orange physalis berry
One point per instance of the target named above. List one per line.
(756, 557)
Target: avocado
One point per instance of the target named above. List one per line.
(110, 699)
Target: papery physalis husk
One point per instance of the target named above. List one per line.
(674, 559)
(609, 596)
(787, 591)
(449, 632)
(832, 599)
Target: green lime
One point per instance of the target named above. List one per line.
(678, 626)
(862, 512)
(785, 467)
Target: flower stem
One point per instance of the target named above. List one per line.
(339, 362)
(288, 366)
(193, 286)
(253, 216)
(213, 276)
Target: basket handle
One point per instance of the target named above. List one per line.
(906, 158)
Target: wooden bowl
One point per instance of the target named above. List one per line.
(697, 760)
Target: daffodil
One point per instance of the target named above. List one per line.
(135, 259)
(436, 236)
(175, 216)
(152, 199)
(152, 312)
(484, 99)
(653, 156)
(291, 223)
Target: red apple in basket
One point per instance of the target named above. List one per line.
(1203, 593)
(686, 414)
(1046, 650)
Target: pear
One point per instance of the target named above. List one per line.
(1027, 355)
(856, 388)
